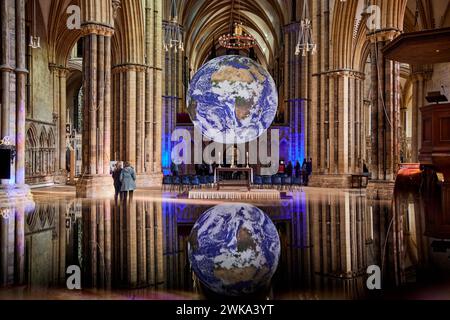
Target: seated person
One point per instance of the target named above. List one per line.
(282, 168)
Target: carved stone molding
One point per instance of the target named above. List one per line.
(95, 28)
(129, 67)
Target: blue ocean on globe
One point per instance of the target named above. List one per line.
(232, 99)
(234, 249)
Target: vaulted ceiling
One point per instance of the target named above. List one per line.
(205, 21)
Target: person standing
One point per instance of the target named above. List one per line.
(128, 180)
(289, 169)
(298, 169)
(305, 172)
(116, 178)
(174, 169)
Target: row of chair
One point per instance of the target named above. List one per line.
(188, 182)
(278, 181)
(181, 183)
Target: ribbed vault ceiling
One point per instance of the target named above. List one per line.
(205, 21)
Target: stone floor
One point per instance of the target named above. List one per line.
(137, 248)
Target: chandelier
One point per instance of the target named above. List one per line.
(305, 43)
(173, 38)
(238, 38)
(35, 41)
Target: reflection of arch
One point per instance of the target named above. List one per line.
(42, 217)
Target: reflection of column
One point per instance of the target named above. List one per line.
(97, 239)
(150, 244)
(62, 243)
(19, 252)
(338, 240)
(12, 247)
(3, 252)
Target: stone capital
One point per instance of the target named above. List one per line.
(384, 35)
(58, 69)
(89, 28)
(127, 67)
(344, 73)
(422, 75)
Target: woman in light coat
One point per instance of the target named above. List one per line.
(128, 181)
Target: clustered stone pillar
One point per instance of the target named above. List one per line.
(339, 124)
(12, 100)
(153, 93)
(129, 110)
(59, 78)
(96, 179)
(173, 94)
(385, 118)
(6, 70)
(296, 84)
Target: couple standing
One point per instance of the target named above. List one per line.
(124, 178)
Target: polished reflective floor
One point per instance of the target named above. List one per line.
(138, 249)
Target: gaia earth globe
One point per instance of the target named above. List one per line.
(232, 99)
(234, 249)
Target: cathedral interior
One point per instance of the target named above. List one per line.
(359, 90)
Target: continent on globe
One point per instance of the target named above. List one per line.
(234, 249)
(232, 99)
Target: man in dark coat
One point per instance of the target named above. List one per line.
(116, 178)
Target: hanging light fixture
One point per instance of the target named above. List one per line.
(173, 34)
(237, 38)
(305, 43)
(35, 41)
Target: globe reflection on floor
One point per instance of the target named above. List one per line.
(234, 249)
(232, 99)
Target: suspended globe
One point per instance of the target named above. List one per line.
(232, 99)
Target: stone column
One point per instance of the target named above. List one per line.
(385, 118)
(5, 71)
(295, 93)
(129, 128)
(158, 87)
(96, 180)
(152, 152)
(173, 95)
(21, 73)
(59, 75)
(340, 127)
(12, 100)
(419, 78)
